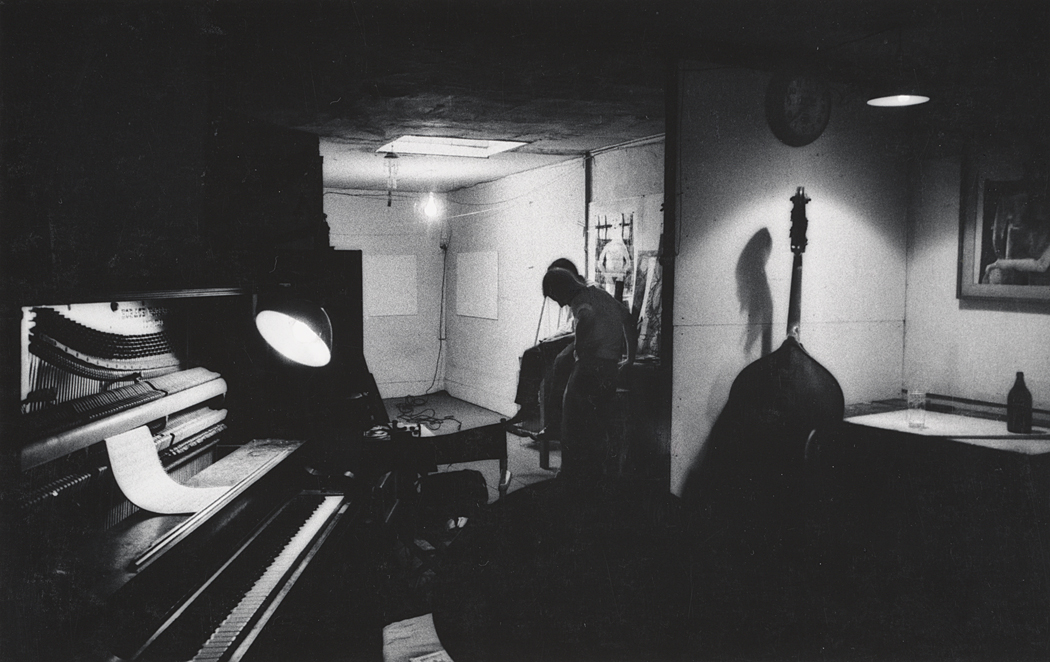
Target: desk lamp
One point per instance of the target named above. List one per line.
(298, 329)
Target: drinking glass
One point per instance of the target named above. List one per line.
(916, 409)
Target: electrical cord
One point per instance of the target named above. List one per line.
(427, 416)
(539, 322)
(441, 318)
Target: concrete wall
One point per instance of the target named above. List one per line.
(402, 349)
(735, 184)
(528, 220)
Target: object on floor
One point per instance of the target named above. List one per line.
(556, 574)
(413, 640)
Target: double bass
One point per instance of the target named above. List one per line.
(753, 472)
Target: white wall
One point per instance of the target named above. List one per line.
(401, 349)
(955, 348)
(736, 179)
(528, 220)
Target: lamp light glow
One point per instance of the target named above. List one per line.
(898, 100)
(299, 331)
(431, 207)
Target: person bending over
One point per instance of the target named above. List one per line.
(603, 327)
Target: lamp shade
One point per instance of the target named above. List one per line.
(298, 329)
(897, 91)
(897, 100)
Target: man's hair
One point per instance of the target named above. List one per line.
(560, 281)
(566, 264)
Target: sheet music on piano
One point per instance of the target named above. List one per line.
(142, 479)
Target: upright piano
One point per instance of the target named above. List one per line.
(280, 567)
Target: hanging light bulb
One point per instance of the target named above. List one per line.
(431, 207)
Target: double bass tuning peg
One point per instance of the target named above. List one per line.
(799, 222)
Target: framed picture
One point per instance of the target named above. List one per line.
(1004, 229)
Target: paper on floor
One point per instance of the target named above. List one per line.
(142, 479)
(413, 640)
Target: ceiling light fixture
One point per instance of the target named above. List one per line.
(902, 87)
(898, 100)
(436, 146)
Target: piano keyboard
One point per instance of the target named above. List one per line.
(221, 619)
(229, 633)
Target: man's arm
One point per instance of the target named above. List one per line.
(584, 315)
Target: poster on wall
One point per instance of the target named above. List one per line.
(623, 239)
(477, 284)
(611, 256)
(648, 308)
(619, 232)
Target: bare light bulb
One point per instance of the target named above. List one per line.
(431, 208)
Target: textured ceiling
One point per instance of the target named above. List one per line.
(360, 74)
(572, 76)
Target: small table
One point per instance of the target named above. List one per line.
(966, 429)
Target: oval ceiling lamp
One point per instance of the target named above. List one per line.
(897, 100)
(299, 330)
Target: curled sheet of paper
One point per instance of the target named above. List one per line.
(142, 479)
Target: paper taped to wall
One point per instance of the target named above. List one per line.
(142, 479)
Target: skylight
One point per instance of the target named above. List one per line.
(481, 149)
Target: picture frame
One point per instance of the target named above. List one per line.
(1003, 221)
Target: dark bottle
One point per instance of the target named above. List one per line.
(1019, 407)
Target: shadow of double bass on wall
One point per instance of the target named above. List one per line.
(752, 290)
(756, 305)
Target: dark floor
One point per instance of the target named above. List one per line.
(627, 572)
